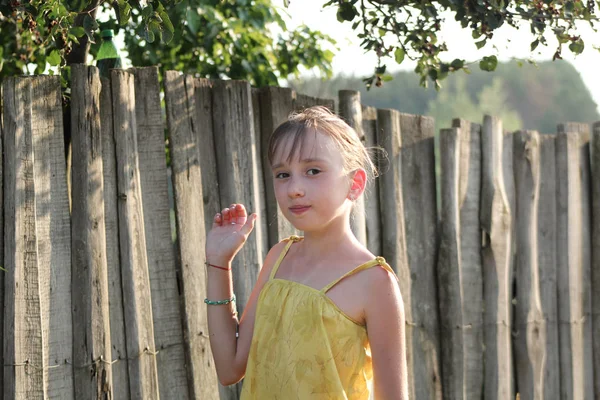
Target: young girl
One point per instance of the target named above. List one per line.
(325, 319)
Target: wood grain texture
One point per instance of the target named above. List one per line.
(120, 370)
(166, 312)
(91, 319)
(264, 169)
(1, 249)
(535, 325)
(53, 233)
(350, 110)
(393, 228)
(497, 220)
(371, 197)
(459, 263)
(184, 142)
(595, 179)
(23, 341)
(235, 152)
(469, 196)
(143, 379)
(418, 188)
(574, 261)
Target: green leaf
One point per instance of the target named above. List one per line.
(387, 77)
(346, 12)
(77, 31)
(488, 63)
(535, 44)
(457, 64)
(399, 55)
(147, 11)
(54, 58)
(481, 43)
(577, 46)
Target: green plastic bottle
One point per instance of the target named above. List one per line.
(108, 56)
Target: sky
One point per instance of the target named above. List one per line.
(510, 43)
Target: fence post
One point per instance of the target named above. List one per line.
(393, 229)
(91, 328)
(459, 263)
(23, 342)
(595, 179)
(238, 172)
(134, 263)
(53, 233)
(350, 110)
(120, 370)
(535, 323)
(497, 215)
(372, 209)
(418, 189)
(574, 261)
(276, 104)
(184, 144)
(265, 169)
(2, 273)
(166, 312)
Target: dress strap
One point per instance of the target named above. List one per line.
(289, 241)
(376, 261)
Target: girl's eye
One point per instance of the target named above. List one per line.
(281, 175)
(313, 171)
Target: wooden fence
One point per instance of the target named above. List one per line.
(100, 303)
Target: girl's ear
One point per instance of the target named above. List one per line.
(359, 182)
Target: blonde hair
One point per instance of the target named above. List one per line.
(321, 119)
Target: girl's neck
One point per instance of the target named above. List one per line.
(323, 244)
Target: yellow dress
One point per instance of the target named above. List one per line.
(304, 346)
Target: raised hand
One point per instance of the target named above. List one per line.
(229, 232)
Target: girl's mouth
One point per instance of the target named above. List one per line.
(299, 209)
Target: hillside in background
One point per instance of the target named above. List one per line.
(525, 97)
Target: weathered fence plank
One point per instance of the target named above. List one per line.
(91, 320)
(184, 144)
(595, 179)
(276, 105)
(237, 168)
(497, 219)
(459, 267)
(393, 227)
(202, 123)
(350, 110)
(264, 169)
(23, 342)
(2, 273)
(574, 261)
(417, 171)
(166, 313)
(53, 233)
(120, 370)
(143, 378)
(535, 323)
(372, 210)
(471, 263)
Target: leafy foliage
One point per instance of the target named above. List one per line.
(235, 39)
(214, 38)
(400, 29)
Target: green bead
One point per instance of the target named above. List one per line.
(219, 302)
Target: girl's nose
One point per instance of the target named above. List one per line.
(295, 190)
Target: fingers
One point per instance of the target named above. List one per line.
(249, 225)
(234, 214)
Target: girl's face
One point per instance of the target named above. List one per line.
(311, 188)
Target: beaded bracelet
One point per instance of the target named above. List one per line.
(219, 302)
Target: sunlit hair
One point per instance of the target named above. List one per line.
(320, 119)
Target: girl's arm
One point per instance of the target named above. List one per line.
(384, 314)
(231, 354)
